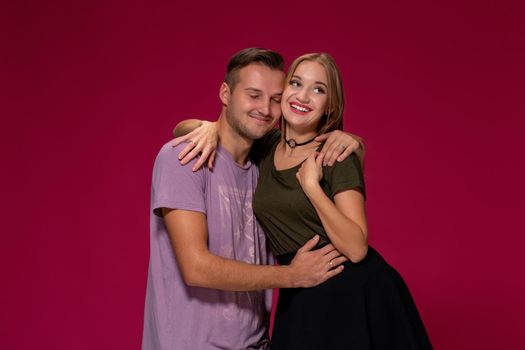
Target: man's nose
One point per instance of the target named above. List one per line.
(264, 107)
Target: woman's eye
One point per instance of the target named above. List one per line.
(295, 83)
(319, 90)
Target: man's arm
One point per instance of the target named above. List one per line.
(199, 267)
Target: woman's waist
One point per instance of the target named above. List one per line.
(286, 259)
(288, 244)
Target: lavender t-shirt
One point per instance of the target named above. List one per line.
(176, 315)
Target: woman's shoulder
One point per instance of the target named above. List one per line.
(350, 162)
(344, 175)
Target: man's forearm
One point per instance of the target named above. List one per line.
(200, 267)
(211, 271)
(188, 233)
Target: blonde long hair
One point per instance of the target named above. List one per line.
(333, 118)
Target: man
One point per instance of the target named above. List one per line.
(208, 264)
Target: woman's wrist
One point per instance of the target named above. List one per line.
(312, 188)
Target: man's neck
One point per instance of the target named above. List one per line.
(238, 146)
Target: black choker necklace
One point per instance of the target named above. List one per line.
(292, 143)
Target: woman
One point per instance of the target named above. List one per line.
(367, 306)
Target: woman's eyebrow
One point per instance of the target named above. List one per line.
(317, 82)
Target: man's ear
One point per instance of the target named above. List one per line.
(225, 94)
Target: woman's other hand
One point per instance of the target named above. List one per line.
(311, 172)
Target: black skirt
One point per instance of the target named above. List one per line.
(367, 306)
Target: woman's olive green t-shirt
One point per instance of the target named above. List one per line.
(280, 205)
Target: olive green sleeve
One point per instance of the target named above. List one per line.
(346, 175)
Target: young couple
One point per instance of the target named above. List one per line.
(209, 263)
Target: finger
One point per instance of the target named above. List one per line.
(322, 137)
(211, 159)
(329, 138)
(354, 145)
(202, 159)
(319, 159)
(328, 151)
(348, 151)
(308, 163)
(191, 154)
(186, 150)
(332, 255)
(309, 245)
(333, 157)
(326, 249)
(339, 260)
(178, 140)
(335, 151)
(334, 272)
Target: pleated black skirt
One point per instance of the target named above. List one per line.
(367, 306)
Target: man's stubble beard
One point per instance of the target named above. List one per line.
(241, 129)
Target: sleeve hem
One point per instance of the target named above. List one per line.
(158, 205)
(350, 186)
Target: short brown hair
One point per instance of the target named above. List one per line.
(243, 58)
(333, 118)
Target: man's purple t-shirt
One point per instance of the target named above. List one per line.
(176, 315)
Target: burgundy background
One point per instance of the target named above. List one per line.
(91, 89)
